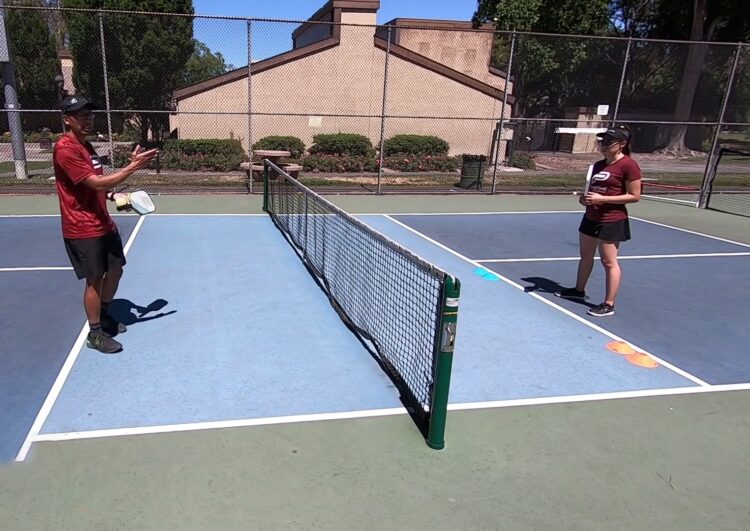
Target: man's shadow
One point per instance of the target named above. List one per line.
(545, 285)
(128, 313)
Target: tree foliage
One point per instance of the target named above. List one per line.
(33, 50)
(688, 79)
(146, 55)
(203, 64)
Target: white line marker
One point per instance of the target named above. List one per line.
(174, 428)
(578, 318)
(469, 213)
(641, 257)
(671, 391)
(29, 215)
(317, 417)
(54, 392)
(157, 214)
(691, 232)
(53, 268)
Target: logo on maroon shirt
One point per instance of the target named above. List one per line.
(599, 177)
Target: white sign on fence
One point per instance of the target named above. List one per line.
(602, 110)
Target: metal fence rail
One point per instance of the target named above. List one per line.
(517, 111)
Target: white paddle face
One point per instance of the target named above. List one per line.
(588, 179)
(141, 202)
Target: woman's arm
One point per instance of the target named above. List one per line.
(633, 195)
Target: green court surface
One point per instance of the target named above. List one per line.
(664, 461)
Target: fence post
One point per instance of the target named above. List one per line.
(502, 113)
(250, 100)
(382, 110)
(702, 196)
(622, 80)
(106, 89)
(15, 125)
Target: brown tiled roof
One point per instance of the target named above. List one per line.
(335, 6)
(424, 62)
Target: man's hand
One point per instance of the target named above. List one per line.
(122, 199)
(140, 158)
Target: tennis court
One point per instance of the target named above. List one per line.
(242, 399)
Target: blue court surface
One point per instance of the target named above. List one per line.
(227, 328)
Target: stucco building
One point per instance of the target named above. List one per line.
(332, 80)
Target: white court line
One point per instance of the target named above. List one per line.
(470, 213)
(29, 215)
(578, 318)
(347, 415)
(670, 200)
(117, 215)
(53, 268)
(670, 391)
(691, 232)
(203, 215)
(54, 392)
(634, 257)
(214, 425)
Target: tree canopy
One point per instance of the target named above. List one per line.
(552, 73)
(146, 55)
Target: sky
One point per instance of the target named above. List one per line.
(269, 39)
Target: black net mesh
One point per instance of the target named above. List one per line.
(385, 294)
(728, 190)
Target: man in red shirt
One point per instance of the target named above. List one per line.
(615, 183)
(91, 238)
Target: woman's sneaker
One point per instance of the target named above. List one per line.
(103, 343)
(602, 310)
(571, 293)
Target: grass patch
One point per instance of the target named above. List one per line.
(30, 166)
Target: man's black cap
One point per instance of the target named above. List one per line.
(73, 104)
(618, 133)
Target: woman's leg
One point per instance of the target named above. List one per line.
(587, 248)
(608, 253)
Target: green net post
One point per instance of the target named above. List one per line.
(441, 387)
(265, 186)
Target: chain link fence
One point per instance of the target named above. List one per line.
(349, 106)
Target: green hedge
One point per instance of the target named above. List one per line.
(422, 163)
(192, 155)
(342, 144)
(523, 161)
(415, 145)
(338, 164)
(32, 137)
(282, 143)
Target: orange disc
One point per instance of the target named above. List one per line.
(642, 360)
(620, 347)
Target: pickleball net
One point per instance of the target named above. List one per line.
(402, 308)
(729, 182)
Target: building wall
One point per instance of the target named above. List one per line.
(464, 51)
(345, 80)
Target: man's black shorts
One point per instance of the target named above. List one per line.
(613, 231)
(93, 257)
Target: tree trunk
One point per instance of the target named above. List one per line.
(690, 77)
(144, 128)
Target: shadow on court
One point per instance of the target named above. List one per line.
(129, 313)
(546, 285)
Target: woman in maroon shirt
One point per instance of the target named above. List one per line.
(615, 182)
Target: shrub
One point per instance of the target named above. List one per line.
(415, 145)
(282, 143)
(421, 163)
(192, 155)
(338, 164)
(523, 161)
(342, 144)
